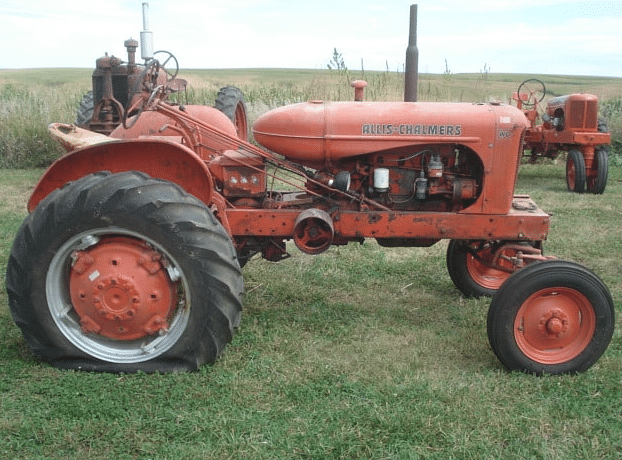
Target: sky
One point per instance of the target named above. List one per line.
(463, 36)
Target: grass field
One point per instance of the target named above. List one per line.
(360, 352)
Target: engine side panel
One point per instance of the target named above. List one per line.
(358, 135)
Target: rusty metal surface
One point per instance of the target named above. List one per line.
(525, 222)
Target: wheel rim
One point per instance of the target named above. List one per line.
(483, 274)
(117, 296)
(554, 325)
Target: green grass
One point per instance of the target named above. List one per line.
(361, 352)
(24, 117)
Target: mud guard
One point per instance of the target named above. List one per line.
(160, 158)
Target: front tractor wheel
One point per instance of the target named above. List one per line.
(552, 317)
(479, 269)
(123, 272)
(597, 182)
(575, 171)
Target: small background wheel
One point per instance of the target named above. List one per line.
(123, 272)
(575, 171)
(469, 268)
(230, 101)
(598, 183)
(600, 168)
(551, 317)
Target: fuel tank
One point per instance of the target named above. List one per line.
(318, 133)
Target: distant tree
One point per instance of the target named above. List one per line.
(337, 63)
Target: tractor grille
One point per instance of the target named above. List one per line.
(583, 115)
(119, 88)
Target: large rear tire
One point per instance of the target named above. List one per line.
(552, 317)
(121, 273)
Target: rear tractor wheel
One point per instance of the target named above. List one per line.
(552, 317)
(121, 273)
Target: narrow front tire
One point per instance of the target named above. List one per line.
(552, 317)
(575, 172)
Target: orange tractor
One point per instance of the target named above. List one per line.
(131, 256)
(568, 124)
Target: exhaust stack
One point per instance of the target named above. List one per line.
(412, 60)
(146, 36)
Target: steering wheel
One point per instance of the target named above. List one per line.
(531, 92)
(148, 81)
(171, 74)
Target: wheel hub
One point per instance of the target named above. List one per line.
(120, 289)
(116, 298)
(554, 323)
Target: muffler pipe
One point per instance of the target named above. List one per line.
(412, 60)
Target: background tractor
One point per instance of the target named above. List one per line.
(569, 124)
(131, 257)
(117, 85)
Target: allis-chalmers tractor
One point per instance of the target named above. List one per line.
(131, 256)
(568, 124)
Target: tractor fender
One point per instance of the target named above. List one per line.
(159, 158)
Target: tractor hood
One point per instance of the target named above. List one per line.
(317, 133)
